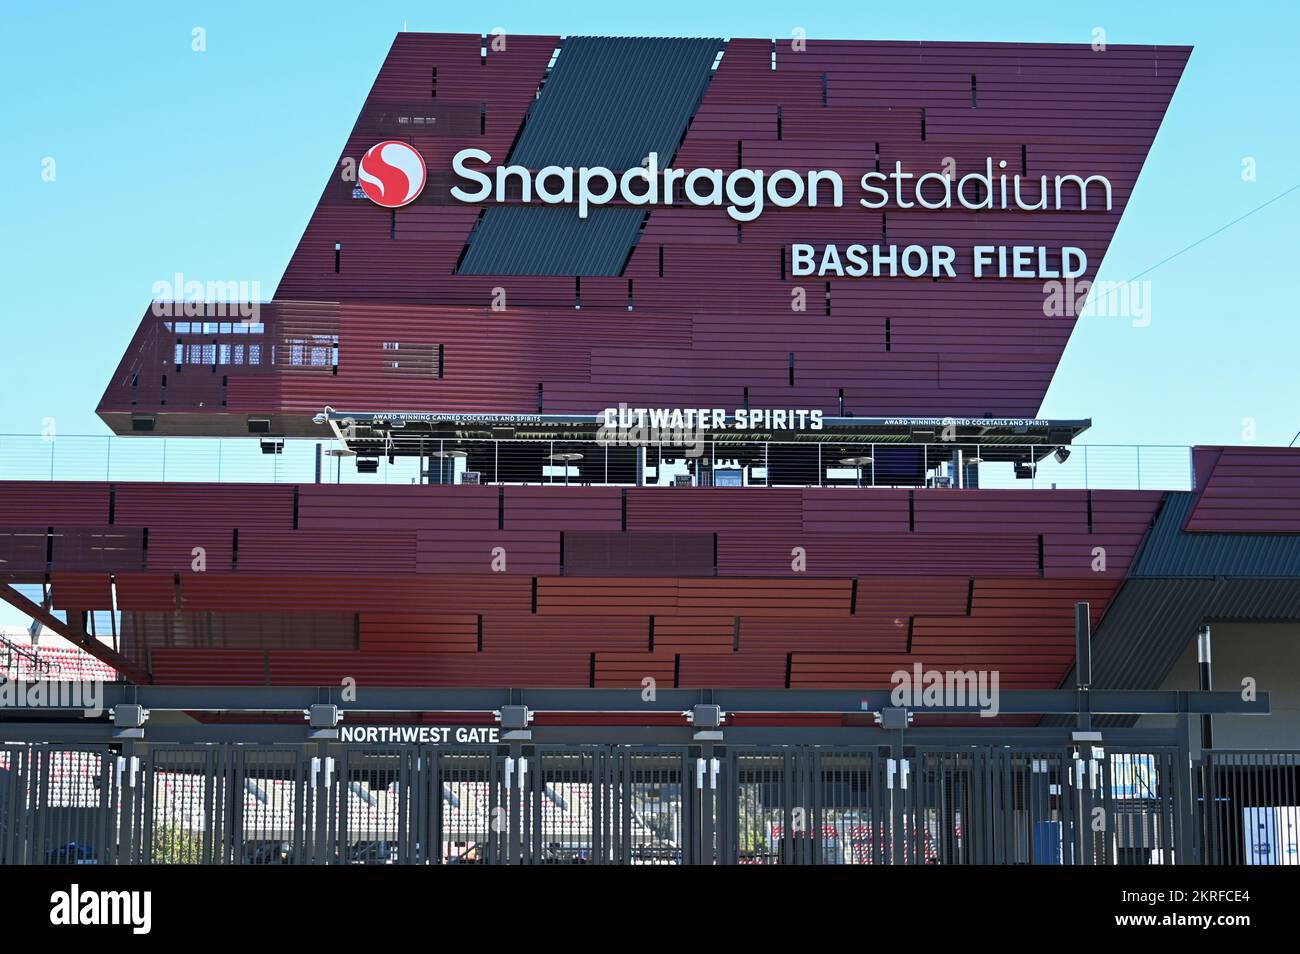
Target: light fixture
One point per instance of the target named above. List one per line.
(1062, 455)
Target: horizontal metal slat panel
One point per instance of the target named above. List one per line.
(419, 632)
(75, 503)
(190, 505)
(81, 591)
(525, 552)
(843, 554)
(695, 508)
(1250, 490)
(397, 508)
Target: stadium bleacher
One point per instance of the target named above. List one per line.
(53, 658)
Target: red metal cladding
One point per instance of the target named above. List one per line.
(528, 634)
(400, 584)
(765, 553)
(187, 550)
(148, 592)
(523, 552)
(402, 508)
(743, 670)
(317, 668)
(39, 503)
(574, 508)
(210, 667)
(80, 591)
(1247, 490)
(419, 632)
(197, 505)
(694, 508)
(701, 310)
(881, 511)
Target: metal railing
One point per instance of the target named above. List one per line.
(242, 460)
(1250, 806)
(17, 662)
(226, 802)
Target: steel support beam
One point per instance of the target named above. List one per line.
(453, 701)
(93, 646)
(744, 737)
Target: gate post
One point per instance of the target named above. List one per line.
(320, 779)
(127, 848)
(1187, 847)
(695, 806)
(514, 803)
(727, 801)
(708, 806)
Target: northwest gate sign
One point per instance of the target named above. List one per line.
(420, 734)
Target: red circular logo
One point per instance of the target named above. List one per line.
(392, 174)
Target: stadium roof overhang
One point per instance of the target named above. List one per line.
(417, 433)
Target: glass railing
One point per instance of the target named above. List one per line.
(591, 463)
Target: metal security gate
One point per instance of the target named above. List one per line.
(218, 804)
(58, 804)
(950, 805)
(887, 803)
(804, 806)
(1250, 807)
(548, 805)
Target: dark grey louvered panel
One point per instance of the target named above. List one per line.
(609, 101)
(1171, 552)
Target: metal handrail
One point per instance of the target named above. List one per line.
(241, 460)
(33, 661)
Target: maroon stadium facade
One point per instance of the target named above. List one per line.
(491, 341)
(606, 585)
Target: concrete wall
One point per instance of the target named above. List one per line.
(1267, 652)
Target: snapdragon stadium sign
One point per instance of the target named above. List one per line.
(392, 174)
(744, 192)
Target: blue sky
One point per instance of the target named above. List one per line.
(211, 163)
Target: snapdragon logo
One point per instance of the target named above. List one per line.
(931, 688)
(392, 174)
(102, 908)
(87, 695)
